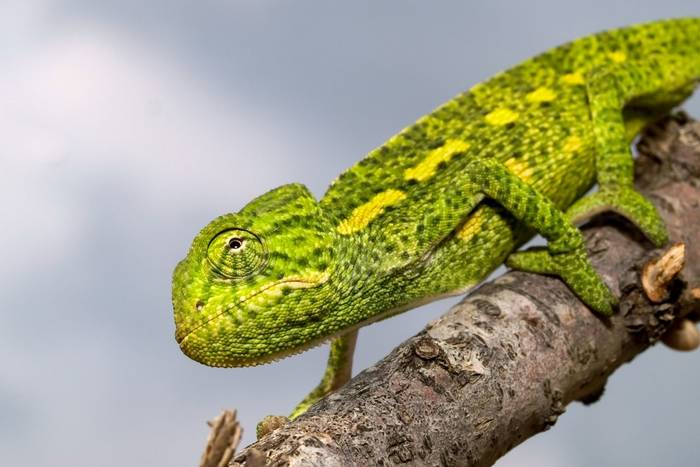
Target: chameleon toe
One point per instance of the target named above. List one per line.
(574, 269)
(626, 202)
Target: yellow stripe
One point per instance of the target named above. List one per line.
(542, 94)
(572, 144)
(362, 215)
(617, 57)
(472, 226)
(428, 166)
(501, 116)
(573, 78)
(520, 167)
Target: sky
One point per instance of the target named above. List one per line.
(126, 126)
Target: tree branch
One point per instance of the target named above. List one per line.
(503, 364)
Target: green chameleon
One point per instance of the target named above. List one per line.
(440, 205)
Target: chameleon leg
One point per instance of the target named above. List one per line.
(338, 372)
(645, 110)
(565, 255)
(610, 89)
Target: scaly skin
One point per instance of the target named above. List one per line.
(440, 205)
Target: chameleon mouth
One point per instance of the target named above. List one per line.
(180, 336)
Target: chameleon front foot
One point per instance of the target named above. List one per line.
(574, 269)
(338, 371)
(269, 424)
(626, 202)
(272, 422)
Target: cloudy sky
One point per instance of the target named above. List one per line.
(125, 126)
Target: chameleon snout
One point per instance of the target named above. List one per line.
(186, 329)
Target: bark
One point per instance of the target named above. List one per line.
(502, 365)
(223, 440)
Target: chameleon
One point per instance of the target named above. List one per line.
(440, 205)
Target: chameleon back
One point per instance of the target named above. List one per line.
(534, 118)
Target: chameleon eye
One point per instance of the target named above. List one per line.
(236, 253)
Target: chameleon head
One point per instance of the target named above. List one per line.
(252, 287)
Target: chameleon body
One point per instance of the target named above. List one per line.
(440, 205)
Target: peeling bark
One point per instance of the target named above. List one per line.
(223, 440)
(502, 365)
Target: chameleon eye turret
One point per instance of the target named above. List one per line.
(236, 254)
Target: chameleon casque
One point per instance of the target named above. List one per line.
(440, 205)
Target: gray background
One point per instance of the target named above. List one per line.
(125, 126)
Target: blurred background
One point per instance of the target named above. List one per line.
(126, 126)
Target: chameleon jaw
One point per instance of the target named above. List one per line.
(292, 282)
(183, 336)
(263, 360)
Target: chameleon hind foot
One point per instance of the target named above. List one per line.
(574, 269)
(626, 202)
(565, 255)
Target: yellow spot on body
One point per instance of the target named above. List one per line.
(521, 168)
(541, 94)
(501, 116)
(472, 226)
(362, 215)
(427, 167)
(573, 78)
(572, 144)
(617, 57)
